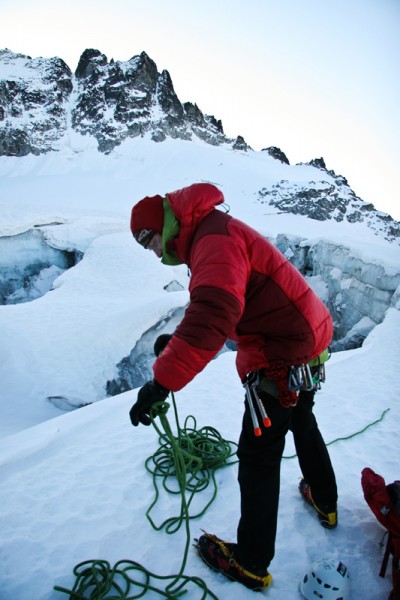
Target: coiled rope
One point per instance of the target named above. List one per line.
(189, 461)
(186, 464)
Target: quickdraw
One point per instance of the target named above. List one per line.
(304, 377)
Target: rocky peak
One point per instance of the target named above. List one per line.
(319, 163)
(89, 63)
(329, 198)
(167, 98)
(193, 113)
(276, 153)
(145, 75)
(41, 100)
(33, 97)
(110, 101)
(240, 144)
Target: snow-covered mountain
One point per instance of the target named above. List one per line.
(81, 305)
(41, 100)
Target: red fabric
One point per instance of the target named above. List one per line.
(148, 214)
(280, 375)
(378, 499)
(377, 496)
(190, 205)
(241, 288)
(182, 356)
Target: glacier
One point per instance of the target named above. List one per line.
(74, 484)
(66, 215)
(356, 290)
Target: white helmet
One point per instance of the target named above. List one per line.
(327, 579)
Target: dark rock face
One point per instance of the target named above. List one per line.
(240, 144)
(88, 62)
(33, 107)
(111, 101)
(330, 199)
(277, 154)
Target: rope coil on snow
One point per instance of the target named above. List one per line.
(190, 459)
(97, 580)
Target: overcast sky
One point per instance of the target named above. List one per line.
(313, 77)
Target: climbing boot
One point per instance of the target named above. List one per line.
(327, 515)
(220, 556)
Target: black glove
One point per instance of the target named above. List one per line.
(161, 342)
(150, 393)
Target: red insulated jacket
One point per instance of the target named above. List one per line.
(241, 288)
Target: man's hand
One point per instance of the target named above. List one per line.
(150, 393)
(161, 342)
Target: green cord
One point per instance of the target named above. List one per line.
(352, 435)
(189, 460)
(97, 580)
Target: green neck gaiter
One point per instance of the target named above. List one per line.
(170, 231)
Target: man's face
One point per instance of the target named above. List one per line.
(155, 245)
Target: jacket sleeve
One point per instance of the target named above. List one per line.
(220, 272)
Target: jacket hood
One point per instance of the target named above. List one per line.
(190, 205)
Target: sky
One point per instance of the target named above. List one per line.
(313, 78)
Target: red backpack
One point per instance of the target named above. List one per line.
(384, 501)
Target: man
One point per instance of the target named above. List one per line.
(243, 288)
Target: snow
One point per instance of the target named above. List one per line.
(74, 483)
(14, 68)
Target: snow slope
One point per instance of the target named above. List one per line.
(74, 485)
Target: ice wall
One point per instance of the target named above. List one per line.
(357, 290)
(29, 265)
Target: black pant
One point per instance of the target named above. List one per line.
(259, 473)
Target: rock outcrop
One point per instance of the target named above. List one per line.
(111, 101)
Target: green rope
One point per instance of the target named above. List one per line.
(96, 580)
(352, 435)
(188, 461)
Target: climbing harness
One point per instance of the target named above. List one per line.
(185, 462)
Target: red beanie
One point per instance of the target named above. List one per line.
(148, 215)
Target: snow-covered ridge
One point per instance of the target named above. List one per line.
(328, 198)
(111, 101)
(43, 106)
